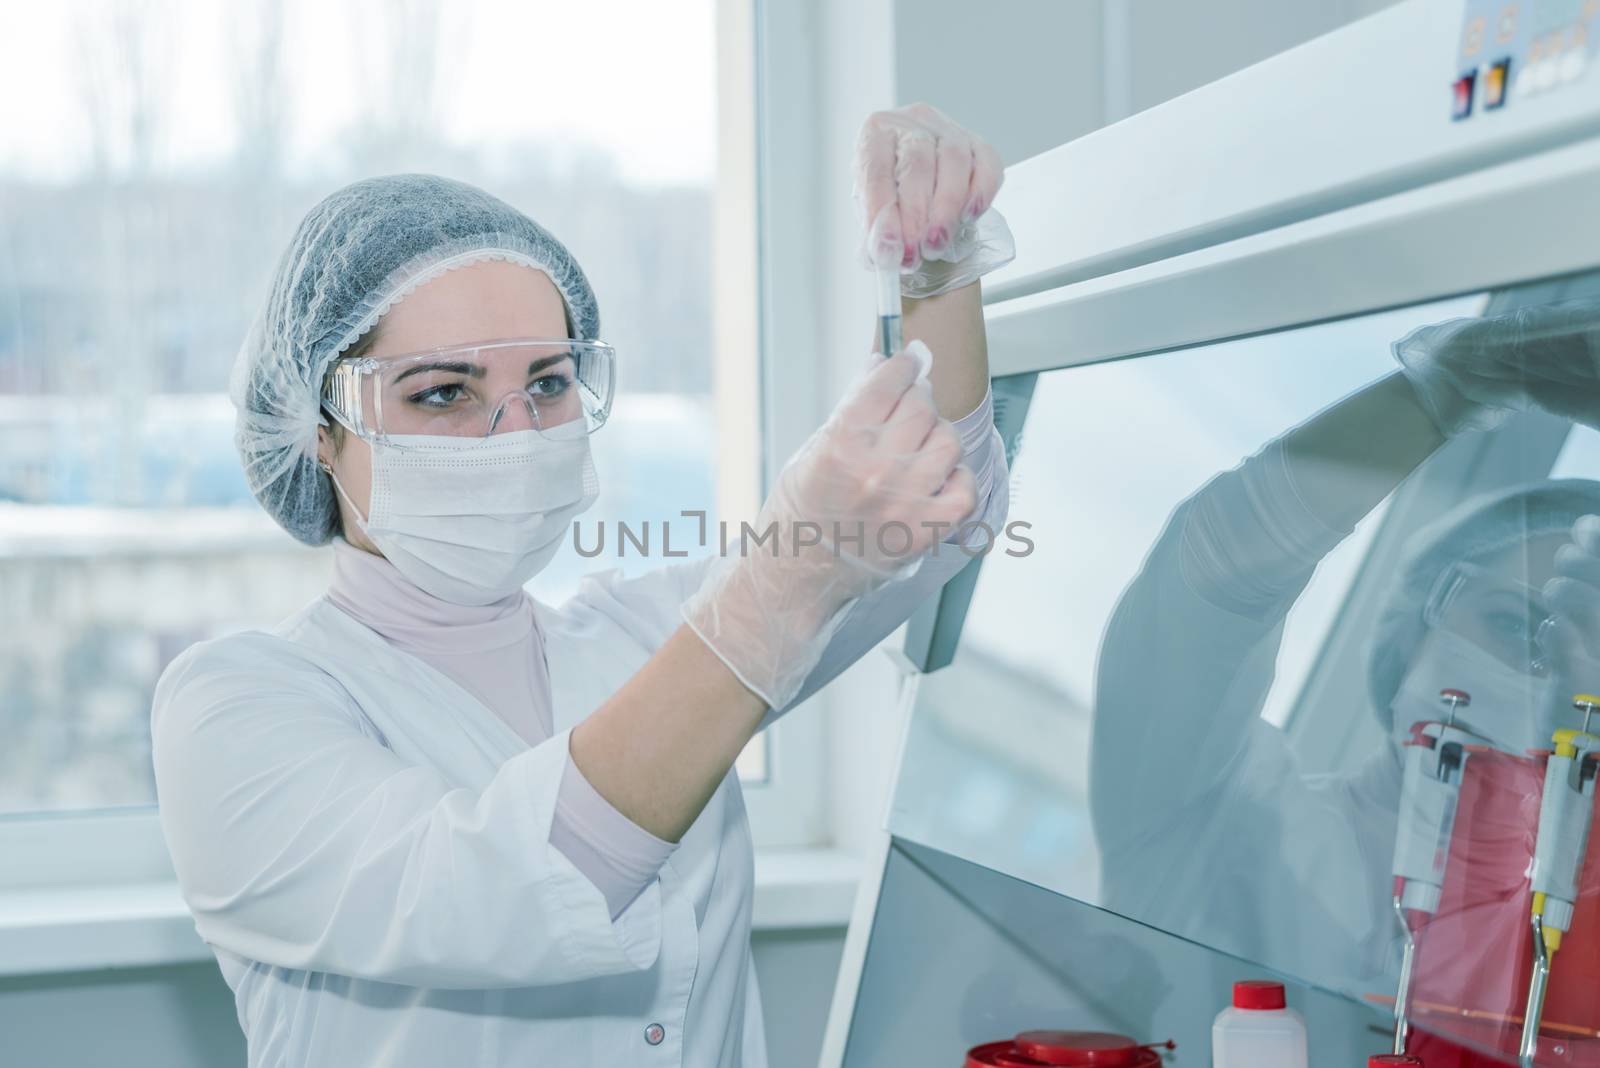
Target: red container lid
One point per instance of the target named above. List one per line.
(1258, 994)
(1378, 1060)
(999, 1055)
(1082, 1048)
(1086, 1049)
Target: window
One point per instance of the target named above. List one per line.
(147, 188)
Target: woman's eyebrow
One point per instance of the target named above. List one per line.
(455, 367)
(547, 361)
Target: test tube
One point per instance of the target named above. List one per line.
(889, 339)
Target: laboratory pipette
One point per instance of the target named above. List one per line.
(1434, 759)
(1565, 810)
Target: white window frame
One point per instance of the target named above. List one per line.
(765, 336)
(818, 70)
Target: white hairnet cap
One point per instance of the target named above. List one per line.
(356, 253)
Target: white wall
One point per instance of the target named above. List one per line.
(1172, 46)
(1032, 74)
(795, 970)
(1026, 75)
(183, 1016)
(175, 1017)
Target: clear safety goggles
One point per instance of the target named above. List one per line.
(473, 390)
(1506, 619)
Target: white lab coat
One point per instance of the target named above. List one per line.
(1207, 826)
(365, 846)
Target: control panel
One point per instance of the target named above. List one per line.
(1512, 50)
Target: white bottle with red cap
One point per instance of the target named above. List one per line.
(1259, 1030)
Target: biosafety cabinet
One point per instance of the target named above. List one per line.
(1288, 671)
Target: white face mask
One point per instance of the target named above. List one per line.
(1516, 712)
(471, 520)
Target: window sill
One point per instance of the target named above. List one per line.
(799, 889)
(80, 929)
(129, 925)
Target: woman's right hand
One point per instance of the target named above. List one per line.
(1471, 373)
(884, 466)
(859, 505)
(661, 745)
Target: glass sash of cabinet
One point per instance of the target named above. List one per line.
(1283, 667)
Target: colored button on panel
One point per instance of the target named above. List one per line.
(654, 1034)
(1496, 84)
(1464, 87)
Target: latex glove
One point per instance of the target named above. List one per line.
(924, 190)
(858, 506)
(1572, 634)
(1470, 374)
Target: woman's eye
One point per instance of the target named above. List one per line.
(438, 396)
(548, 386)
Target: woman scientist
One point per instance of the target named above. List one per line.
(1194, 792)
(429, 820)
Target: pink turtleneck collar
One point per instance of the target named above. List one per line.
(495, 651)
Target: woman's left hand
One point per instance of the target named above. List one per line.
(921, 181)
